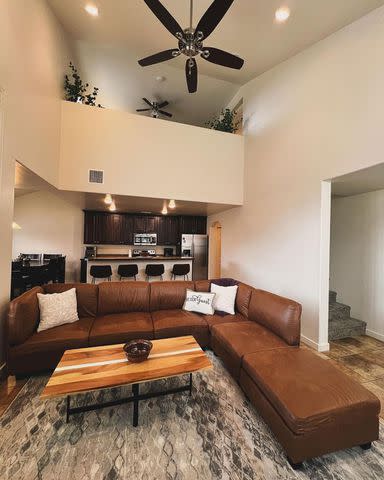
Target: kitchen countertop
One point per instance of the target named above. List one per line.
(125, 258)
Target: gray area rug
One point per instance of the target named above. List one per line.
(215, 434)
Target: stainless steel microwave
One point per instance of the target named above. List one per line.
(145, 239)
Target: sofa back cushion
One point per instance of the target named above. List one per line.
(169, 295)
(278, 314)
(243, 296)
(123, 297)
(86, 295)
(23, 317)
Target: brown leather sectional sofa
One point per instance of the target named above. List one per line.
(311, 406)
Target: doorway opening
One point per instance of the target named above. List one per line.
(355, 301)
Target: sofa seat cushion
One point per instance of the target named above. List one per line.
(178, 323)
(120, 328)
(307, 391)
(43, 351)
(219, 319)
(70, 335)
(234, 340)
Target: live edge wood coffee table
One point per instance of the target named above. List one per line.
(95, 368)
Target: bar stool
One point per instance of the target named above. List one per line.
(180, 270)
(100, 271)
(127, 271)
(154, 270)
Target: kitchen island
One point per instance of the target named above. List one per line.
(142, 261)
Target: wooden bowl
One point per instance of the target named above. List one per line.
(137, 350)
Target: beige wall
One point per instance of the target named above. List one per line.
(50, 223)
(143, 156)
(32, 57)
(357, 257)
(316, 116)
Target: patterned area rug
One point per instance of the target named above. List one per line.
(215, 434)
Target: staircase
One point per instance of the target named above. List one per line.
(341, 325)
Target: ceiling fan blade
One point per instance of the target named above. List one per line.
(165, 17)
(213, 16)
(143, 109)
(163, 104)
(191, 74)
(165, 113)
(220, 57)
(159, 57)
(148, 102)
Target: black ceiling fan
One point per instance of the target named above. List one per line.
(156, 108)
(191, 40)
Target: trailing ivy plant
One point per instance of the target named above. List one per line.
(225, 122)
(76, 91)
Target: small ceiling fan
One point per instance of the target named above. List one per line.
(156, 108)
(191, 40)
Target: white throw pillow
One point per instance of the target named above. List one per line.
(200, 302)
(225, 298)
(57, 309)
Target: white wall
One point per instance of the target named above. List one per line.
(33, 54)
(314, 117)
(357, 257)
(50, 223)
(148, 157)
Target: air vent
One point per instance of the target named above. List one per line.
(96, 176)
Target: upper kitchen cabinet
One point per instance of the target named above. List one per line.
(107, 228)
(119, 228)
(144, 224)
(193, 225)
(168, 232)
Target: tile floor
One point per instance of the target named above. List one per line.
(360, 357)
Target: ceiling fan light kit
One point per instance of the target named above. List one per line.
(155, 108)
(190, 40)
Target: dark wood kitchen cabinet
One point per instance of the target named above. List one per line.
(193, 225)
(108, 228)
(144, 224)
(168, 232)
(105, 228)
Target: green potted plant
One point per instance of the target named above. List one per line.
(225, 122)
(75, 90)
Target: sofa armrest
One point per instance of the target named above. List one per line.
(23, 317)
(280, 315)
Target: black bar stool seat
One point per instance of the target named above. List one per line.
(100, 272)
(128, 271)
(154, 270)
(180, 270)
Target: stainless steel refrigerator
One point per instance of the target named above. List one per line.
(196, 246)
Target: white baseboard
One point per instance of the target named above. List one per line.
(320, 347)
(378, 336)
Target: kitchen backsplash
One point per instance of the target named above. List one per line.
(123, 249)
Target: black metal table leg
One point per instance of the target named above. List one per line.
(68, 408)
(190, 384)
(135, 391)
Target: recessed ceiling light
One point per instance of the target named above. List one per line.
(160, 78)
(112, 207)
(172, 204)
(108, 199)
(92, 10)
(282, 14)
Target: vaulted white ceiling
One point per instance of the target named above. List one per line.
(126, 30)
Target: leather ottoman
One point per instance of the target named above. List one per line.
(311, 406)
